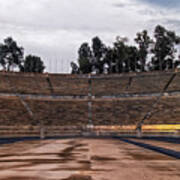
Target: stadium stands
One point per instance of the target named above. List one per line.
(12, 112)
(62, 113)
(175, 85)
(129, 112)
(142, 83)
(23, 84)
(108, 86)
(63, 100)
(149, 83)
(166, 112)
(69, 85)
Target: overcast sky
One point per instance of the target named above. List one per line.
(54, 29)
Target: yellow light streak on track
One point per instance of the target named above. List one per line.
(160, 127)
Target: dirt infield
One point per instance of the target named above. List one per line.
(84, 159)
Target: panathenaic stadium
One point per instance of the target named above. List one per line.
(90, 127)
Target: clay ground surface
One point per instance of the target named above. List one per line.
(84, 159)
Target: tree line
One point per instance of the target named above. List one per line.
(12, 57)
(159, 52)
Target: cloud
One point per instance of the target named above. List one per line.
(54, 29)
(163, 3)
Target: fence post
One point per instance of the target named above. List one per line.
(42, 133)
(139, 132)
